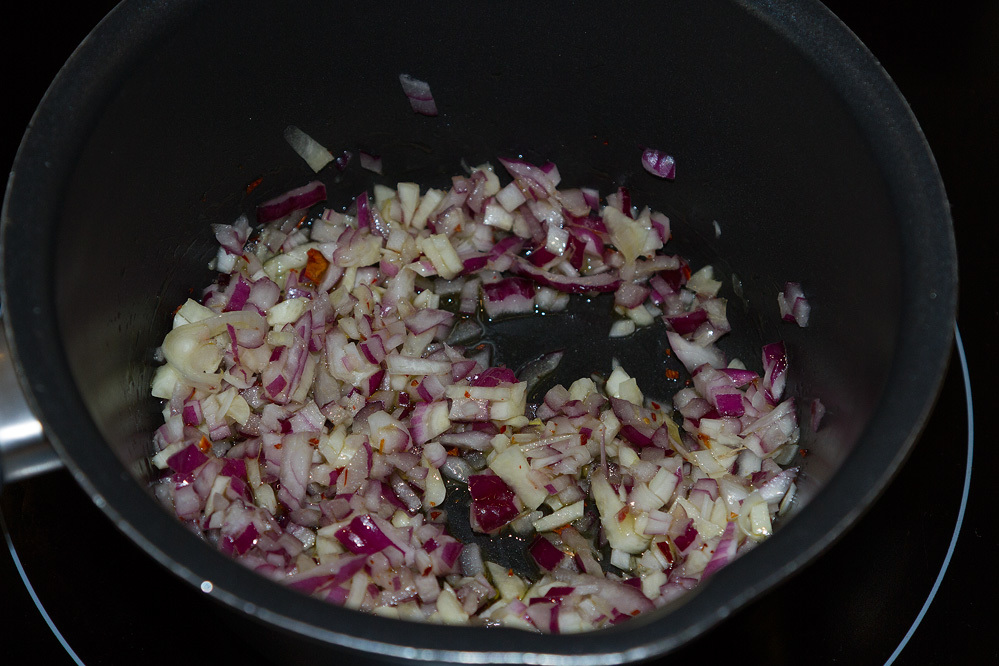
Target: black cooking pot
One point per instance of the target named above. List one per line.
(786, 132)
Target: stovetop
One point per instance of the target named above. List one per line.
(911, 583)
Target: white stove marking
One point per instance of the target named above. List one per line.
(37, 601)
(964, 500)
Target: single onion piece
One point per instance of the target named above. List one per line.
(420, 97)
(693, 355)
(724, 551)
(740, 377)
(246, 539)
(659, 164)
(362, 536)
(818, 411)
(192, 417)
(310, 150)
(493, 505)
(187, 459)
(730, 404)
(494, 376)
(542, 257)
(624, 199)
(233, 236)
(774, 489)
(470, 560)
(511, 295)
(539, 182)
(637, 424)
(685, 539)
(573, 285)
(688, 322)
(456, 468)
(630, 295)
(775, 371)
(298, 199)
(794, 307)
(661, 224)
(370, 162)
(545, 553)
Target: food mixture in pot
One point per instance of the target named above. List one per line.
(326, 397)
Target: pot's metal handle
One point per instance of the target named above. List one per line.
(24, 451)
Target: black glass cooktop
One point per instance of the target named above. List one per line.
(912, 583)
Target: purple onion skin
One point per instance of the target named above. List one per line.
(493, 502)
(545, 553)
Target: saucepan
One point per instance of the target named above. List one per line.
(796, 160)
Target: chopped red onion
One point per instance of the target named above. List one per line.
(508, 296)
(420, 97)
(319, 409)
(310, 150)
(289, 202)
(818, 412)
(493, 502)
(545, 554)
(794, 307)
(370, 162)
(187, 459)
(775, 371)
(659, 164)
(363, 537)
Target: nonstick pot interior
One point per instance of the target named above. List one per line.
(786, 132)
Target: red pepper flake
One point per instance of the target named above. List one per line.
(314, 441)
(277, 446)
(315, 266)
(252, 186)
(467, 394)
(622, 514)
(453, 451)
(673, 374)
(204, 445)
(414, 383)
(656, 405)
(803, 452)
(666, 551)
(434, 515)
(686, 271)
(669, 352)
